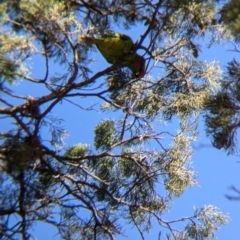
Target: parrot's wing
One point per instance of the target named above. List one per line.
(115, 47)
(120, 36)
(127, 42)
(121, 41)
(124, 37)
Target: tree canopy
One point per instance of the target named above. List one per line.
(135, 165)
(222, 107)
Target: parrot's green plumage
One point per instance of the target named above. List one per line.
(118, 48)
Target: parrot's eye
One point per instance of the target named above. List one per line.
(141, 71)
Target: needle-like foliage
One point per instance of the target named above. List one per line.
(135, 165)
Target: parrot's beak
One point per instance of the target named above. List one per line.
(140, 74)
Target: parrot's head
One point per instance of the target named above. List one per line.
(138, 66)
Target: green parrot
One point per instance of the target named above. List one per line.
(118, 48)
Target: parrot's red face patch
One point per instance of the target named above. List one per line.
(141, 73)
(138, 65)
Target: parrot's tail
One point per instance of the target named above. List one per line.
(88, 40)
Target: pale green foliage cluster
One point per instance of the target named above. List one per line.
(207, 215)
(136, 165)
(177, 167)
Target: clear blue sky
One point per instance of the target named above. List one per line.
(214, 169)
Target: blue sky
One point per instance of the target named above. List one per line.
(215, 171)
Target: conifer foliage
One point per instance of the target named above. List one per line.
(135, 166)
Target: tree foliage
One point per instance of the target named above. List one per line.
(222, 107)
(231, 18)
(136, 166)
(222, 110)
